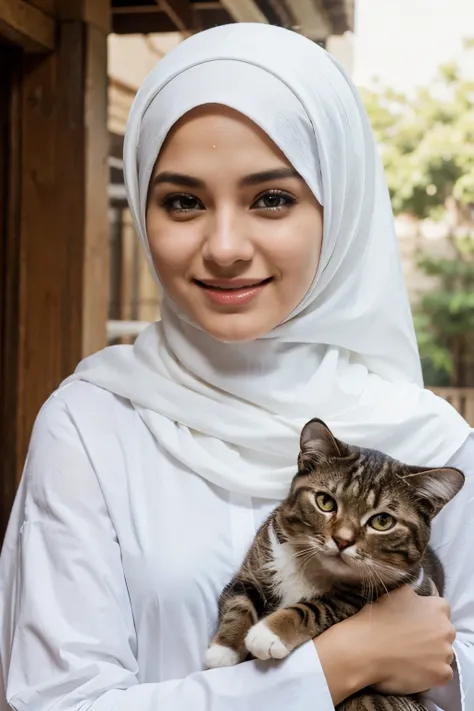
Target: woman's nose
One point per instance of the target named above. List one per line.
(227, 240)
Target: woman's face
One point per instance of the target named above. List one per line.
(234, 232)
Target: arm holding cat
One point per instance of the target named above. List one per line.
(417, 628)
(68, 639)
(401, 645)
(46, 622)
(452, 540)
(354, 524)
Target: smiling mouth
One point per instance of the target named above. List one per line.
(232, 284)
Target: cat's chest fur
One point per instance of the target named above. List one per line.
(289, 582)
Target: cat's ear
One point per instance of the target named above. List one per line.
(436, 486)
(317, 441)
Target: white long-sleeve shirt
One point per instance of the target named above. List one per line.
(112, 567)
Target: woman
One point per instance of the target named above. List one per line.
(256, 189)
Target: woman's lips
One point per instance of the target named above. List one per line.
(232, 292)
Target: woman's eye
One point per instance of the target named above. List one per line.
(182, 203)
(274, 200)
(325, 502)
(382, 522)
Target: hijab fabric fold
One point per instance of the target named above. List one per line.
(232, 413)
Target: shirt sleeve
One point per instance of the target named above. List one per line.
(68, 641)
(453, 539)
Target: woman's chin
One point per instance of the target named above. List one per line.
(236, 328)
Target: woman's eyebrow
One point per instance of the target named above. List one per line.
(189, 181)
(177, 179)
(266, 176)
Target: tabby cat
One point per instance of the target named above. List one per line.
(355, 525)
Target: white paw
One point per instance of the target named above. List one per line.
(219, 656)
(265, 644)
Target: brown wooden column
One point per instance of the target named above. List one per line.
(58, 305)
(10, 193)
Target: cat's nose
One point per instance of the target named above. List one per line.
(342, 542)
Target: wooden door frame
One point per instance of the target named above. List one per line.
(10, 200)
(55, 244)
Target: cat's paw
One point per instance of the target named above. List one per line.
(219, 656)
(265, 644)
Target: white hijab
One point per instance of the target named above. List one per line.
(232, 413)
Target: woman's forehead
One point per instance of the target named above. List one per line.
(216, 135)
(262, 102)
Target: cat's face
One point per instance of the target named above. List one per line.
(360, 514)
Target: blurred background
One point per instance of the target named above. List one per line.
(72, 276)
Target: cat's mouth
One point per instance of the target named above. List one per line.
(341, 559)
(344, 554)
(349, 563)
(338, 557)
(335, 554)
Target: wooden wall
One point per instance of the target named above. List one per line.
(10, 181)
(54, 235)
(133, 290)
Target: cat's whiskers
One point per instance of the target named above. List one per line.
(310, 549)
(381, 580)
(369, 579)
(390, 574)
(302, 551)
(411, 577)
(366, 580)
(372, 587)
(304, 557)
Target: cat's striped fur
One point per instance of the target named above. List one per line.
(311, 566)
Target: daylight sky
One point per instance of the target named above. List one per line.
(403, 41)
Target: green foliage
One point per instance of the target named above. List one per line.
(444, 320)
(435, 358)
(427, 140)
(427, 147)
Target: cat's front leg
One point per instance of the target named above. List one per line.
(239, 609)
(279, 633)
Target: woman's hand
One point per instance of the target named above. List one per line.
(401, 644)
(412, 639)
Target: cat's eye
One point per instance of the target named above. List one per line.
(381, 522)
(325, 502)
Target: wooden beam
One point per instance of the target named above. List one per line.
(63, 234)
(180, 12)
(277, 12)
(341, 14)
(92, 12)
(142, 23)
(95, 292)
(54, 244)
(27, 26)
(46, 6)
(311, 18)
(244, 10)
(210, 18)
(136, 10)
(10, 200)
(147, 19)
(209, 5)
